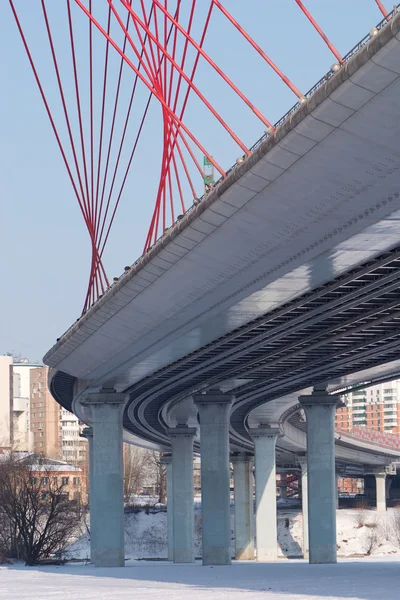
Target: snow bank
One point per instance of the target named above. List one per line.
(146, 534)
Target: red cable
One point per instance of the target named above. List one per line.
(78, 102)
(148, 85)
(321, 33)
(91, 112)
(383, 10)
(178, 181)
(195, 64)
(215, 66)
(131, 156)
(99, 207)
(113, 122)
(64, 104)
(284, 78)
(186, 78)
(119, 158)
(50, 116)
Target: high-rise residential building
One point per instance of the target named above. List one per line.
(6, 401)
(45, 415)
(376, 407)
(55, 430)
(15, 403)
(22, 435)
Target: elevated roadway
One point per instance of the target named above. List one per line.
(284, 276)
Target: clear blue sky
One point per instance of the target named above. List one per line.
(44, 246)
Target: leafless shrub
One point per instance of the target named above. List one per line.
(37, 520)
(372, 524)
(360, 518)
(370, 542)
(394, 525)
(361, 503)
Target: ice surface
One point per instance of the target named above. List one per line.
(366, 579)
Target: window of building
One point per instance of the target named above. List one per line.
(41, 434)
(41, 414)
(41, 444)
(41, 425)
(76, 480)
(55, 479)
(64, 480)
(33, 480)
(389, 390)
(44, 481)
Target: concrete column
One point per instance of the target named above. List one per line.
(337, 490)
(304, 499)
(264, 438)
(166, 459)
(320, 410)
(87, 433)
(182, 486)
(214, 411)
(243, 481)
(380, 479)
(107, 498)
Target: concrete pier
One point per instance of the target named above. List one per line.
(214, 411)
(320, 410)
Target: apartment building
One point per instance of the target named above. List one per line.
(376, 407)
(55, 430)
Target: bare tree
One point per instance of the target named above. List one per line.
(36, 517)
(370, 542)
(160, 477)
(136, 466)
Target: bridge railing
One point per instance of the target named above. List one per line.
(378, 438)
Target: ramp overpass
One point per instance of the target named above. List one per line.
(279, 287)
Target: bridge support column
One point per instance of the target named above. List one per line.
(337, 478)
(87, 433)
(107, 498)
(243, 481)
(182, 488)
(166, 459)
(214, 410)
(380, 481)
(264, 438)
(320, 410)
(304, 502)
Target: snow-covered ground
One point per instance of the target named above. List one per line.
(366, 579)
(357, 531)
